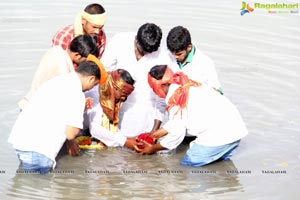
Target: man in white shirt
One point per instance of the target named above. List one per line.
(137, 53)
(191, 61)
(54, 114)
(103, 116)
(197, 110)
(57, 61)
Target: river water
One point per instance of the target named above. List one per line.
(257, 57)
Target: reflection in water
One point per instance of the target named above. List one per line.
(121, 173)
(215, 179)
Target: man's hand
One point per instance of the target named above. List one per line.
(148, 148)
(88, 103)
(131, 143)
(73, 147)
(156, 126)
(158, 133)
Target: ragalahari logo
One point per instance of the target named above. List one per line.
(246, 8)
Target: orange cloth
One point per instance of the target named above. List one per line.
(180, 96)
(103, 73)
(156, 84)
(110, 107)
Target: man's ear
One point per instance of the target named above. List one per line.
(76, 55)
(92, 79)
(166, 87)
(83, 21)
(189, 47)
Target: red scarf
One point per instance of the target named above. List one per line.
(156, 84)
(180, 96)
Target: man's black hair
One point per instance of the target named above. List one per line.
(88, 68)
(84, 45)
(94, 9)
(126, 76)
(158, 71)
(178, 39)
(149, 36)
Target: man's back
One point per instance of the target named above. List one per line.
(119, 52)
(55, 61)
(41, 125)
(212, 117)
(142, 105)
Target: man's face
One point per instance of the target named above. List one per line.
(181, 56)
(90, 82)
(91, 29)
(120, 96)
(78, 59)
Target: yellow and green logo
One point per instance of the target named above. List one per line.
(246, 8)
(270, 7)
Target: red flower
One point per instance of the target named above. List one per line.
(145, 137)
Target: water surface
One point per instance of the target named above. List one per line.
(257, 57)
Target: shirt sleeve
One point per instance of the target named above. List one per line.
(160, 108)
(94, 118)
(176, 131)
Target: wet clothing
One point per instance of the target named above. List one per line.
(199, 155)
(33, 161)
(209, 116)
(41, 126)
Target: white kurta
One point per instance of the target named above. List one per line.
(202, 69)
(143, 105)
(93, 119)
(56, 61)
(209, 116)
(40, 127)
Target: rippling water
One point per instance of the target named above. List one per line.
(257, 57)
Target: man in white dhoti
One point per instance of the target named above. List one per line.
(137, 53)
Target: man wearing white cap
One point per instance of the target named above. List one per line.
(89, 21)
